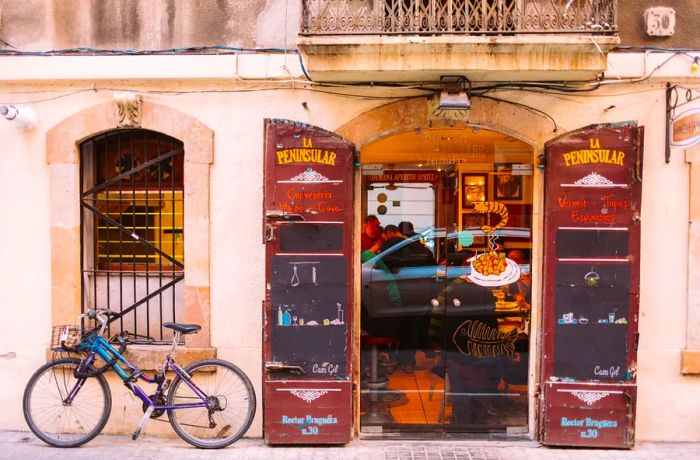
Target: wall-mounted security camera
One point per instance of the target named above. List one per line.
(23, 116)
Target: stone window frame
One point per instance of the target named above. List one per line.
(63, 157)
(690, 356)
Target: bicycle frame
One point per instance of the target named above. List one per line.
(96, 345)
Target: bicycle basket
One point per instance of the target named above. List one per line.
(65, 337)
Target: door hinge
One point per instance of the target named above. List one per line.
(270, 234)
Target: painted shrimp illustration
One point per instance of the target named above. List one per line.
(491, 207)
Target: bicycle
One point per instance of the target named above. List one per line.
(67, 401)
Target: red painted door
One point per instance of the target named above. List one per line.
(308, 228)
(591, 286)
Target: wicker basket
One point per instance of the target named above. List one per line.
(65, 336)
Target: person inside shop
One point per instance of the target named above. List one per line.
(406, 228)
(412, 334)
(372, 235)
(412, 254)
(393, 236)
(520, 290)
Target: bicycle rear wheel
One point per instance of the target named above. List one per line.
(56, 421)
(232, 406)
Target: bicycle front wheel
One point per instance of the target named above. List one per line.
(230, 397)
(62, 410)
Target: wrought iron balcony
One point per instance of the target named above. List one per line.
(466, 17)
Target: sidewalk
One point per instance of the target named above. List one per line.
(23, 445)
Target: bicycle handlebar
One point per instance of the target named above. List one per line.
(102, 315)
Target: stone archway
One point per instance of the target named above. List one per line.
(414, 113)
(517, 122)
(62, 155)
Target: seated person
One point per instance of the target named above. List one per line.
(520, 290)
(372, 236)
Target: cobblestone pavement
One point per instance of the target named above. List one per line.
(23, 445)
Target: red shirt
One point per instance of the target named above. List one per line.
(367, 242)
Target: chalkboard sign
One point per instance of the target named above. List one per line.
(309, 309)
(592, 317)
(308, 237)
(592, 243)
(591, 280)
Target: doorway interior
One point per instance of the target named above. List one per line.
(446, 287)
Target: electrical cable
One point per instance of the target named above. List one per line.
(542, 113)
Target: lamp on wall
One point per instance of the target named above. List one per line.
(452, 103)
(23, 116)
(458, 100)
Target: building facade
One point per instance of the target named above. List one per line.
(160, 120)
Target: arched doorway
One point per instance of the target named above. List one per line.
(446, 280)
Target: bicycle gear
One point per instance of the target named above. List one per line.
(160, 401)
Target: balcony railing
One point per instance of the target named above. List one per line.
(467, 17)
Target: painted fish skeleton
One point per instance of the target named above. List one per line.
(480, 340)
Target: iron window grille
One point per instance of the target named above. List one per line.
(132, 230)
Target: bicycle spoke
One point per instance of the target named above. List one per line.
(66, 424)
(231, 410)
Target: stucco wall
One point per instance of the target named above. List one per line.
(34, 25)
(667, 401)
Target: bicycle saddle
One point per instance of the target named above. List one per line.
(183, 328)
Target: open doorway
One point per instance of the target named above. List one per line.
(446, 290)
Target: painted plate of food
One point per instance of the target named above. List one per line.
(493, 269)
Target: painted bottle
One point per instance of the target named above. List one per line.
(286, 318)
(279, 316)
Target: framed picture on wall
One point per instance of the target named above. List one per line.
(506, 186)
(474, 188)
(473, 220)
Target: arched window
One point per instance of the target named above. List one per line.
(132, 230)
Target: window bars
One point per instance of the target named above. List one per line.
(132, 234)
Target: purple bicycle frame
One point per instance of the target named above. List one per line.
(107, 352)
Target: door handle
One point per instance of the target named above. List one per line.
(275, 366)
(283, 216)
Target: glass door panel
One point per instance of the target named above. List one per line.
(401, 280)
(446, 304)
(485, 324)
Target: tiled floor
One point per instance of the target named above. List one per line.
(419, 404)
(417, 399)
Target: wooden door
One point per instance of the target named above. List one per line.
(591, 265)
(308, 232)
